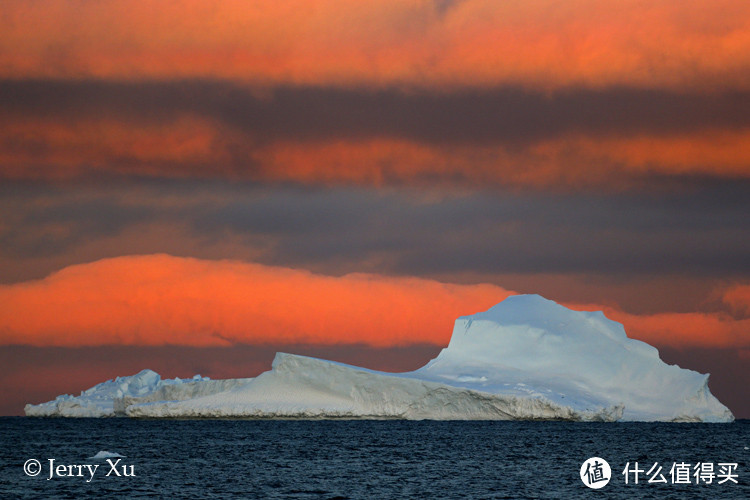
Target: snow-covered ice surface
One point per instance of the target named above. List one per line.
(525, 358)
(302, 387)
(99, 401)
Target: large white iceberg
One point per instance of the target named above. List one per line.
(526, 358)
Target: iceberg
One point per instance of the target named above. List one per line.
(110, 398)
(103, 454)
(527, 358)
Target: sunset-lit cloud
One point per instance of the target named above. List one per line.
(681, 330)
(572, 162)
(189, 147)
(164, 300)
(614, 139)
(39, 150)
(738, 297)
(156, 300)
(539, 43)
(670, 243)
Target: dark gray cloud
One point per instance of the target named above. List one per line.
(500, 115)
(698, 231)
(42, 220)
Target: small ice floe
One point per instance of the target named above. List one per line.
(105, 454)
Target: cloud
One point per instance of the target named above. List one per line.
(579, 139)
(194, 148)
(53, 150)
(571, 162)
(162, 300)
(158, 300)
(717, 330)
(738, 298)
(539, 43)
(680, 330)
(698, 233)
(505, 115)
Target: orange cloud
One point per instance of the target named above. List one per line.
(738, 298)
(190, 146)
(161, 300)
(721, 153)
(575, 160)
(64, 149)
(699, 329)
(540, 43)
(158, 299)
(686, 329)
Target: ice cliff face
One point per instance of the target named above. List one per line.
(526, 358)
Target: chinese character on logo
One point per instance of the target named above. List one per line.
(725, 472)
(680, 473)
(704, 471)
(635, 471)
(653, 478)
(595, 472)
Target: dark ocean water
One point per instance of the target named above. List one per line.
(363, 459)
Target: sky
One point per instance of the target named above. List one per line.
(191, 186)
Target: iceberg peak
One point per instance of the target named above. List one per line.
(535, 311)
(529, 341)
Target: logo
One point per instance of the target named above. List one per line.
(595, 473)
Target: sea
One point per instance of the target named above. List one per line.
(378, 459)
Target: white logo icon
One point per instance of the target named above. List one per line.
(595, 473)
